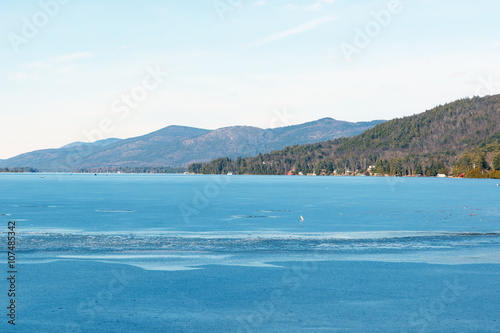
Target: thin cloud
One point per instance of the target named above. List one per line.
(34, 64)
(21, 76)
(74, 56)
(297, 30)
(58, 65)
(58, 60)
(313, 7)
(290, 6)
(316, 6)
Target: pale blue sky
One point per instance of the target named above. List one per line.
(243, 65)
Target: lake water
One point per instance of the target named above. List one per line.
(197, 225)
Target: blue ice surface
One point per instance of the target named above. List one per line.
(232, 254)
(141, 203)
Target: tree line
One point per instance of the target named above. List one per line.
(460, 139)
(18, 169)
(160, 169)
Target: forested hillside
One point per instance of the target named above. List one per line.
(462, 137)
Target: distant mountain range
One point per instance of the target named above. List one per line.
(178, 146)
(100, 143)
(462, 137)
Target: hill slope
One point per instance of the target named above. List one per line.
(178, 146)
(435, 141)
(102, 143)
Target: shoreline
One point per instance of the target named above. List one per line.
(42, 173)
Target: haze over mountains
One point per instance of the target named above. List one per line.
(178, 146)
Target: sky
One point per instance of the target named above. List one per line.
(77, 70)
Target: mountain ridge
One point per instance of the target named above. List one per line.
(461, 137)
(176, 146)
(103, 142)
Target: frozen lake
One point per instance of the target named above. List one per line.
(253, 253)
